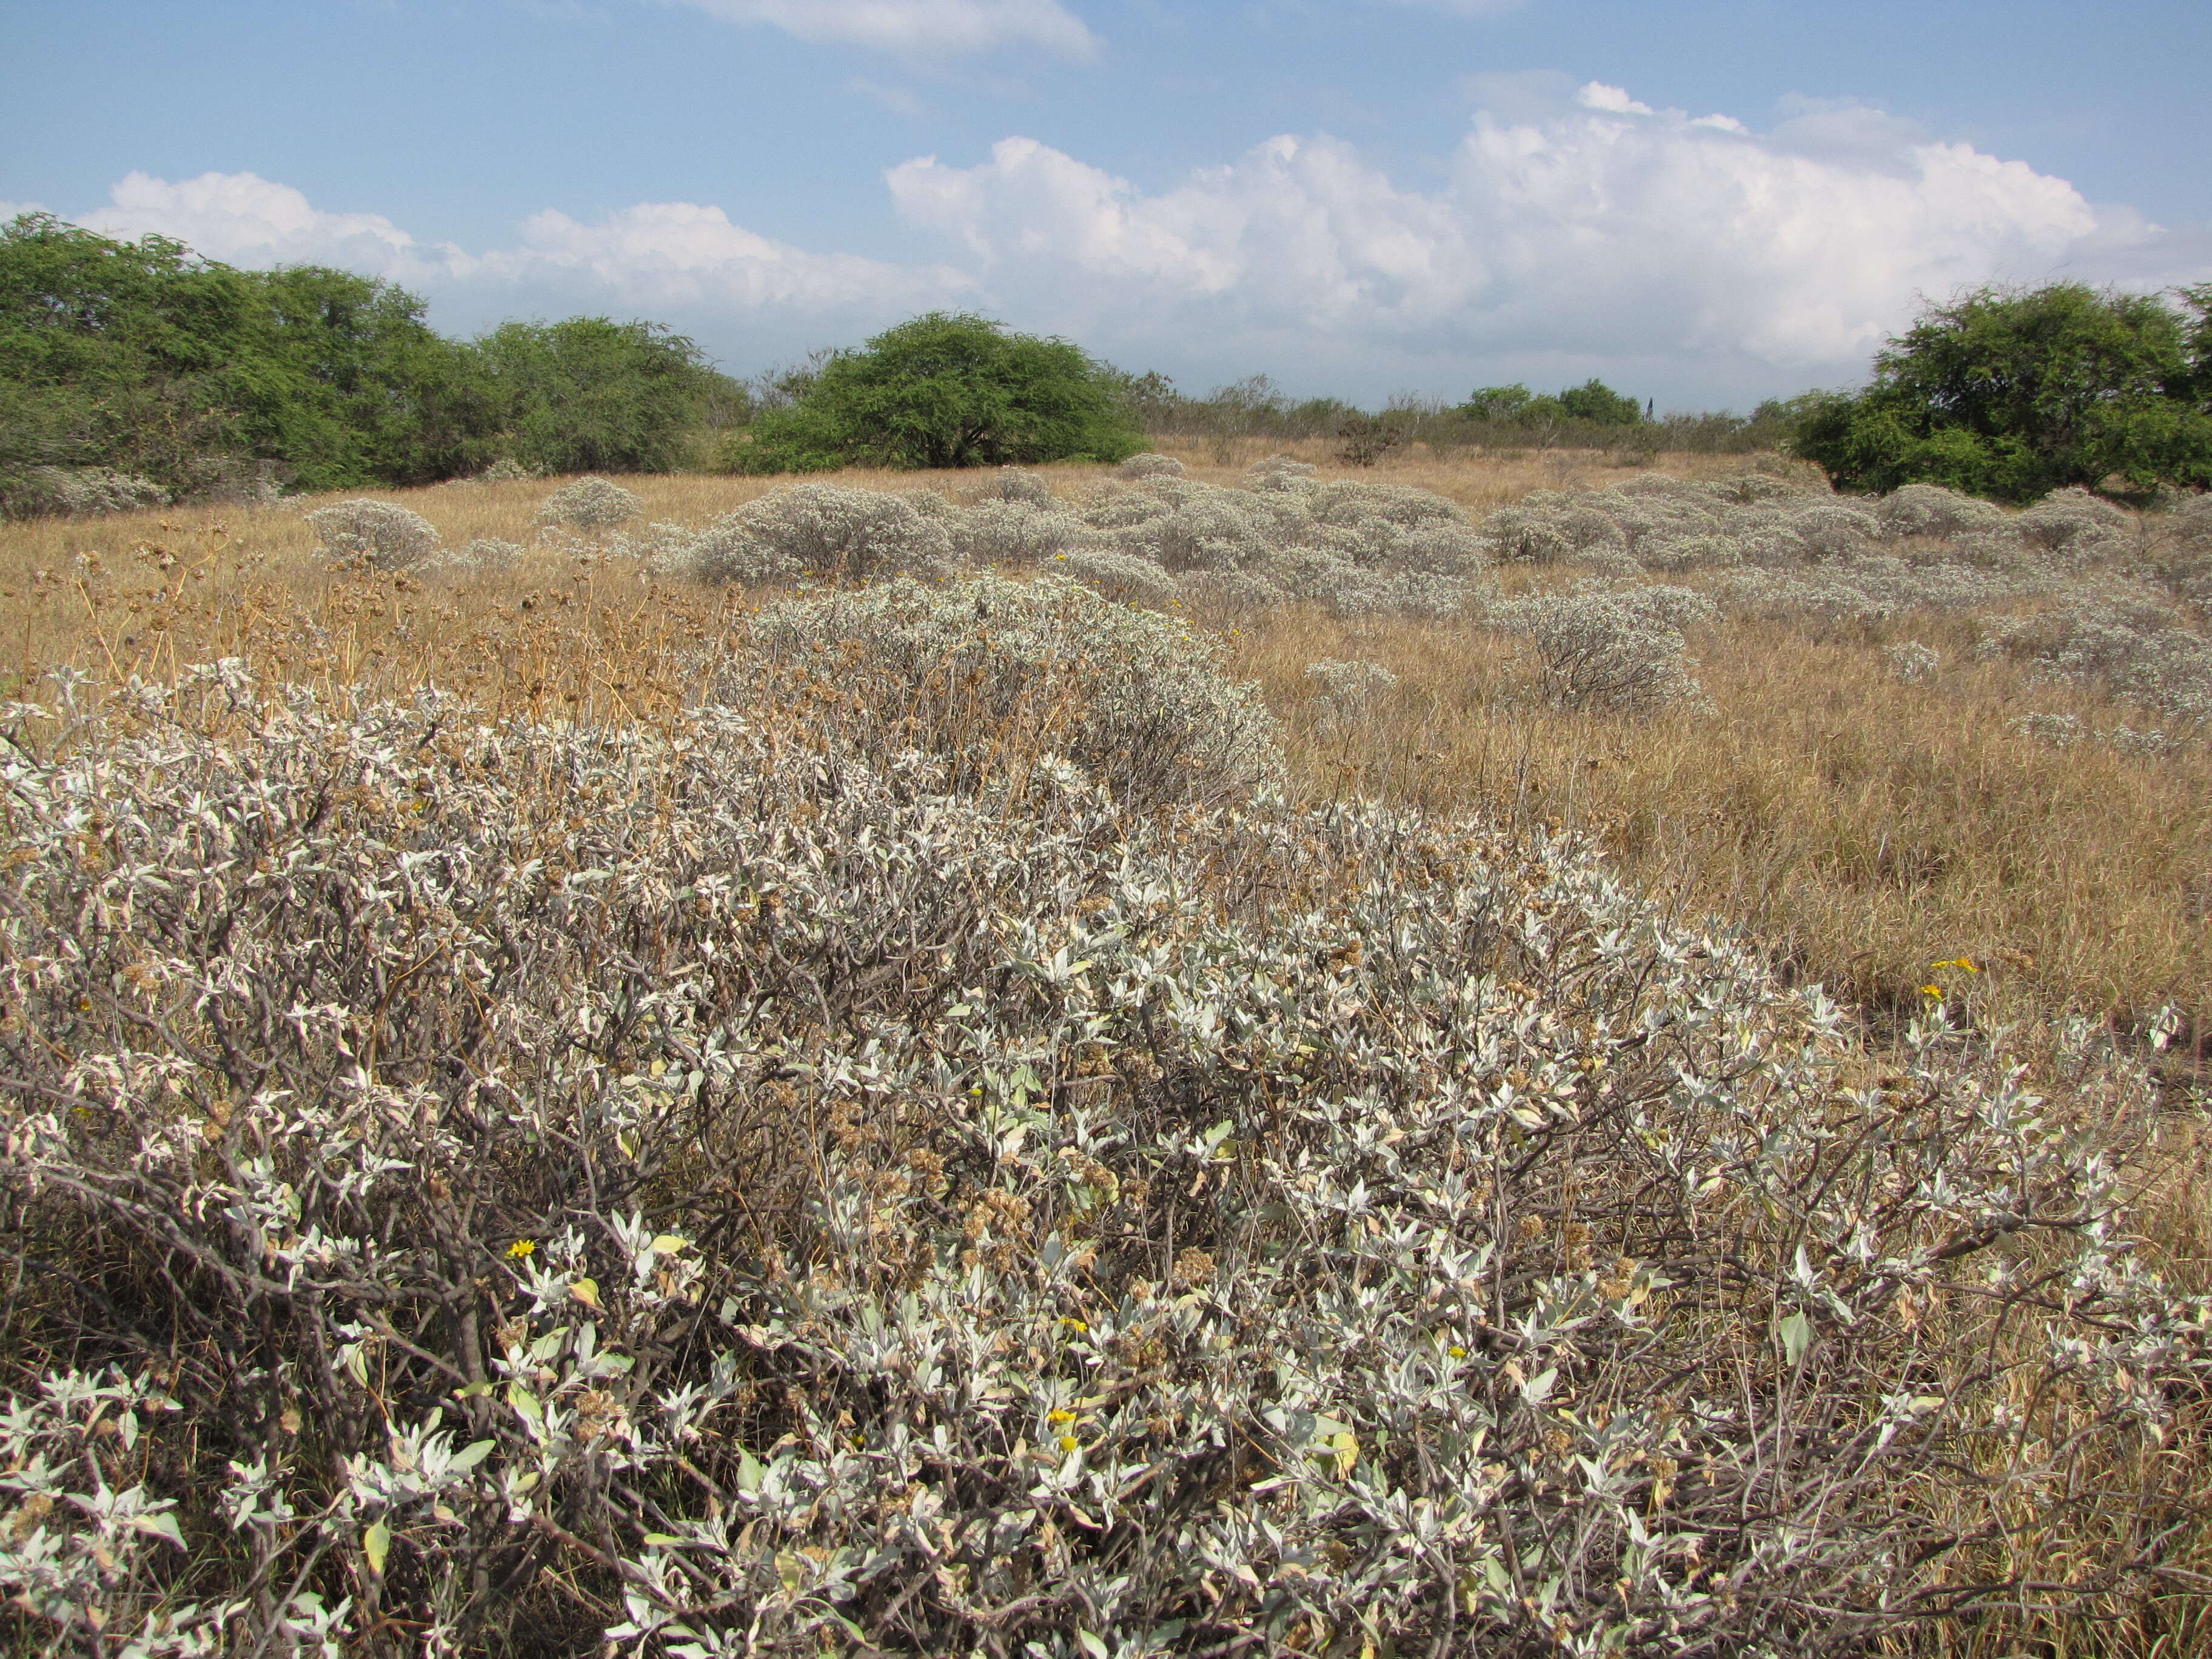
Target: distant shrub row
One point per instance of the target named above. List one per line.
(134, 372)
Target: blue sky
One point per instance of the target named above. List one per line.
(1702, 201)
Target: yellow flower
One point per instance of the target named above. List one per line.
(1931, 991)
(1456, 1352)
(520, 1248)
(1070, 1319)
(1057, 1415)
(1067, 1442)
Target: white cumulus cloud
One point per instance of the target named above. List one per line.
(925, 28)
(1585, 229)
(679, 252)
(663, 254)
(1614, 100)
(244, 219)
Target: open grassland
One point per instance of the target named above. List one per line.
(645, 1112)
(1863, 828)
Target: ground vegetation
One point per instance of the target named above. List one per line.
(944, 1111)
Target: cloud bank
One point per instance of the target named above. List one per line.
(672, 254)
(1600, 231)
(1574, 231)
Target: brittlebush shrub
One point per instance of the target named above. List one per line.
(705, 1189)
(989, 671)
(387, 535)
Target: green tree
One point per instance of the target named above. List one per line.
(1503, 404)
(1600, 405)
(2012, 393)
(355, 387)
(591, 395)
(1594, 402)
(946, 390)
(115, 353)
(140, 356)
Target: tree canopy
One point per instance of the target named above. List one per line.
(141, 357)
(1593, 401)
(2011, 393)
(945, 390)
(591, 395)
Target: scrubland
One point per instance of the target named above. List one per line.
(562, 1094)
(1865, 826)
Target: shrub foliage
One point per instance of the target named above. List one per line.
(190, 377)
(2013, 393)
(724, 1188)
(945, 390)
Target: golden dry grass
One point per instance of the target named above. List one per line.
(1865, 830)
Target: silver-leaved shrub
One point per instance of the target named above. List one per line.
(826, 532)
(590, 504)
(1119, 576)
(990, 666)
(1619, 650)
(385, 535)
(719, 1189)
(86, 492)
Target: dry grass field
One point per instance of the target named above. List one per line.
(1896, 838)
(1861, 829)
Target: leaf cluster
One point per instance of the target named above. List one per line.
(1593, 401)
(943, 390)
(723, 1188)
(2012, 393)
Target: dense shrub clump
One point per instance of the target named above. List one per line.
(79, 492)
(140, 360)
(1046, 666)
(2012, 393)
(735, 1188)
(590, 504)
(943, 390)
(1615, 650)
(1149, 536)
(2144, 652)
(386, 535)
(821, 530)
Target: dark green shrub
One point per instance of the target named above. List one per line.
(140, 357)
(945, 390)
(590, 395)
(1593, 403)
(2013, 393)
(1596, 402)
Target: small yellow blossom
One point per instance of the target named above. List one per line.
(1060, 1416)
(519, 1249)
(1071, 1320)
(1931, 991)
(1456, 1352)
(1067, 1442)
